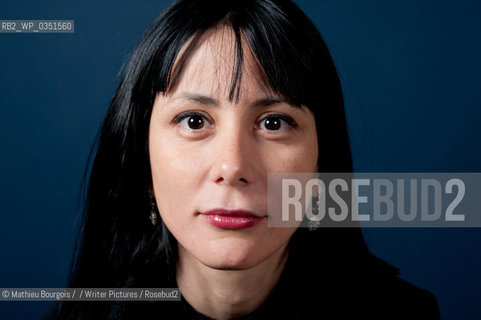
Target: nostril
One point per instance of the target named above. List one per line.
(221, 179)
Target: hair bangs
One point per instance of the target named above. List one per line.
(260, 30)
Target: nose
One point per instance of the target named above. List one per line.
(234, 162)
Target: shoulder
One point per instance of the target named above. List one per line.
(367, 288)
(381, 298)
(395, 298)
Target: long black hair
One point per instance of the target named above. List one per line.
(118, 246)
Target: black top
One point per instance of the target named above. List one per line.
(378, 297)
(304, 291)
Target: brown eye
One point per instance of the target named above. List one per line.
(272, 123)
(192, 120)
(195, 122)
(277, 122)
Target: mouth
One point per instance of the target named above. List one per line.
(231, 219)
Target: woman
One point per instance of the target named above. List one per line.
(218, 94)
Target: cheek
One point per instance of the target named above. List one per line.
(175, 177)
(299, 157)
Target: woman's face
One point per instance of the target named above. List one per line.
(210, 157)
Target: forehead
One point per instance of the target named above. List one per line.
(214, 67)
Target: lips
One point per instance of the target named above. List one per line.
(231, 219)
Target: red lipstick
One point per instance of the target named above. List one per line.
(231, 219)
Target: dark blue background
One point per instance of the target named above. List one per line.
(411, 73)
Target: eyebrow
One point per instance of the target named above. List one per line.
(200, 98)
(264, 102)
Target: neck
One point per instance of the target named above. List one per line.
(227, 294)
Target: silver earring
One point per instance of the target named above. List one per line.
(153, 211)
(311, 224)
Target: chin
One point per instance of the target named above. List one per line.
(229, 264)
(232, 257)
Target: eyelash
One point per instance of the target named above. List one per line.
(282, 117)
(184, 115)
